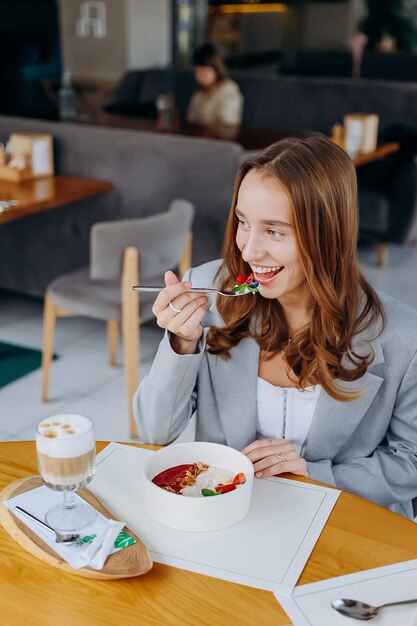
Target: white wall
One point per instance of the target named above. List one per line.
(89, 57)
(148, 29)
(138, 35)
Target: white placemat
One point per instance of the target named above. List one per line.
(268, 549)
(310, 605)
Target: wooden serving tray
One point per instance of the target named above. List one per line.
(132, 561)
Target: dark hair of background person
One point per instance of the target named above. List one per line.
(207, 56)
(320, 180)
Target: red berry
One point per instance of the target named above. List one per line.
(239, 479)
(241, 279)
(225, 488)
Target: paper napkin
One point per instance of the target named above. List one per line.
(96, 542)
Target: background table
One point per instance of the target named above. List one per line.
(249, 138)
(359, 535)
(47, 193)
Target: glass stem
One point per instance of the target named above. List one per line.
(69, 500)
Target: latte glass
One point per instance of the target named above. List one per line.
(66, 448)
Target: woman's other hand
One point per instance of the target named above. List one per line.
(178, 310)
(272, 457)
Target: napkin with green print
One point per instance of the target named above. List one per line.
(96, 543)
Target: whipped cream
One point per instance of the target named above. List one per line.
(65, 436)
(209, 479)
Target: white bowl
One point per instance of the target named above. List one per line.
(194, 513)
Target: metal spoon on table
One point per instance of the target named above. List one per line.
(59, 537)
(361, 610)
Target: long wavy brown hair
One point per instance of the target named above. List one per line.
(320, 181)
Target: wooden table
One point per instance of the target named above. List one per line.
(359, 535)
(380, 152)
(248, 138)
(47, 193)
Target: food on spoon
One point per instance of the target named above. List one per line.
(198, 479)
(245, 284)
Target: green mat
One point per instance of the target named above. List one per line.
(17, 361)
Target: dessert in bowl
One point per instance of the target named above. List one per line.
(209, 465)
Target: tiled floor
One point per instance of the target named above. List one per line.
(81, 379)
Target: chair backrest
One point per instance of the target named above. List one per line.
(159, 238)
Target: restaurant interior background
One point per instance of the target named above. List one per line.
(300, 66)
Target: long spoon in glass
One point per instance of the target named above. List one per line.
(59, 536)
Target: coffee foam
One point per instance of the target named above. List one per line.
(65, 436)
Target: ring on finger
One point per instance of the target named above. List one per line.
(174, 308)
(280, 457)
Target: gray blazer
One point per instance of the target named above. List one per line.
(367, 446)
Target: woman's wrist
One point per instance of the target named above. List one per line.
(183, 346)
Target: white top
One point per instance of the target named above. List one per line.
(285, 412)
(223, 103)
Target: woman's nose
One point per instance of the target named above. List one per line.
(252, 249)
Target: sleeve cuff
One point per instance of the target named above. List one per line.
(321, 471)
(201, 346)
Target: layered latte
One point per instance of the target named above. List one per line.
(65, 447)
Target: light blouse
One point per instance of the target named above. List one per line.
(285, 412)
(223, 104)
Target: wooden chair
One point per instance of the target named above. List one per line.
(123, 253)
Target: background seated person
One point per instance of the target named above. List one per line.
(218, 101)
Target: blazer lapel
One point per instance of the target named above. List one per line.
(334, 421)
(235, 385)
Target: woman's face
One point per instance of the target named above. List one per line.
(266, 238)
(205, 76)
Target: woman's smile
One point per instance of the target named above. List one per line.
(265, 275)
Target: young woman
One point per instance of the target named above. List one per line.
(218, 99)
(316, 374)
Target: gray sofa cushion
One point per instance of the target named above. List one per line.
(315, 62)
(300, 103)
(393, 66)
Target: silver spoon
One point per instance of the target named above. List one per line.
(361, 610)
(59, 537)
(193, 289)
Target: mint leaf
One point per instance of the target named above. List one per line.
(208, 492)
(123, 540)
(87, 539)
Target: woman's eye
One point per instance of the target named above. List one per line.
(274, 234)
(243, 224)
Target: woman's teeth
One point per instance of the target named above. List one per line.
(266, 273)
(267, 270)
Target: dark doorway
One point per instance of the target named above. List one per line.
(29, 53)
